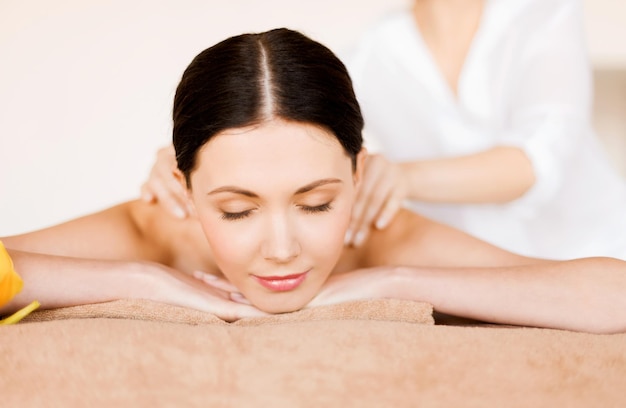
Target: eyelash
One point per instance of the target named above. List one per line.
(316, 209)
(241, 215)
(235, 216)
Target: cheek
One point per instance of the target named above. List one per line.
(324, 235)
(322, 243)
(234, 245)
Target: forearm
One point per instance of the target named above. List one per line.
(498, 175)
(582, 295)
(62, 281)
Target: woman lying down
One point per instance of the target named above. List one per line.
(267, 133)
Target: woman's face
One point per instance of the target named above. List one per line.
(274, 201)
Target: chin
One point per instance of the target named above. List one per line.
(281, 303)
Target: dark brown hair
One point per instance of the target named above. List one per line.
(247, 79)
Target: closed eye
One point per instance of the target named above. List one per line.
(316, 209)
(234, 216)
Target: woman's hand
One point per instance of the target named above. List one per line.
(219, 298)
(163, 187)
(383, 189)
(221, 284)
(360, 284)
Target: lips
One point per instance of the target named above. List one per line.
(281, 283)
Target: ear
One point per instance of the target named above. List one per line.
(180, 178)
(360, 166)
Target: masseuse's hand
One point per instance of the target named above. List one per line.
(174, 287)
(360, 284)
(163, 187)
(383, 189)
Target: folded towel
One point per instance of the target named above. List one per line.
(332, 363)
(379, 309)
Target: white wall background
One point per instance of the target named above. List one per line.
(86, 85)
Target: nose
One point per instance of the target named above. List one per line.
(281, 244)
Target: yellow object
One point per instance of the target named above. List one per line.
(20, 314)
(10, 285)
(10, 281)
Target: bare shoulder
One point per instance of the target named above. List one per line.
(179, 243)
(128, 231)
(412, 239)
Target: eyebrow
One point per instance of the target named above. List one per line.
(301, 190)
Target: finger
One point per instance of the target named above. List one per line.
(214, 281)
(377, 201)
(239, 298)
(357, 229)
(361, 236)
(146, 194)
(370, 178)
(389, 211)
(166, 174)
(382, 201)
(231, 311)
(171, 202)
(164, 187)
(200, 275)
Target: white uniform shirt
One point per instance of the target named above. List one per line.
(526, 82)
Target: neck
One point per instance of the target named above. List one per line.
(445, 16)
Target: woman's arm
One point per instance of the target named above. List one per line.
(419, 259)
(57, 281)
(497, 175)
(581, 295)
(119, 253)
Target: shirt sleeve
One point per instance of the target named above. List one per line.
(551, 102)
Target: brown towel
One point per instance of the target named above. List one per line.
(332, 363)
(379, 309)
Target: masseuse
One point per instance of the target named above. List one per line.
(483, 110)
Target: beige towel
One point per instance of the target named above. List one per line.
(332, 363)
(380, 309)
(350, 356)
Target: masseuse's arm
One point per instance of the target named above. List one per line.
(110, 255)
(463, 276)
(497, 175)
